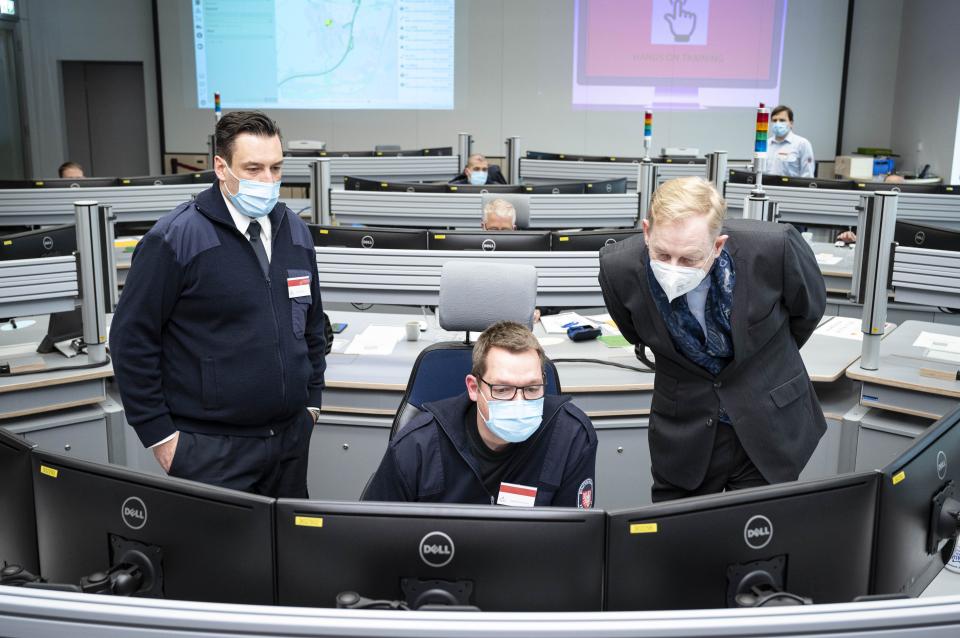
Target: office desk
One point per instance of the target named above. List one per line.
(898, 386)
(836, 276)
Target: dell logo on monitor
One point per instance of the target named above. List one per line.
(488, 245)
(47, 242)
(758, 532)
(366, 241)
(919, 238)
(436, 549)
(134, 513)
(941, 465)
(610, 240)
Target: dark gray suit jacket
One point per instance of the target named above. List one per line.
(778, 300)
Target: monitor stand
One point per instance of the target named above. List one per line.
(760, 584)
(63, 327)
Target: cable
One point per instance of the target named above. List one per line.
(604, 363)
(357, 306)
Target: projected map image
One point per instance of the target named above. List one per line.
(325, 53)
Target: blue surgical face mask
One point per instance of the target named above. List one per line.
(513, 421)
(478, 178)
(253, 198)
(780, 129)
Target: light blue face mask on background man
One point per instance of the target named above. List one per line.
(478, 178)
(514, 421)
(253, 198)
(780, 129)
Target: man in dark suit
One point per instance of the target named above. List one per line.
(725, 308)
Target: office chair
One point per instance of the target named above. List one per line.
(471, 300)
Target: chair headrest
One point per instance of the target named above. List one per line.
(474, 296)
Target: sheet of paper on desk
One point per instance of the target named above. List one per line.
(375, 340)
(607, 324)
(845, 328)
(555, 323)
(941, 342)
(826, 259)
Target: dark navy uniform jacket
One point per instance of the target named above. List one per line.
(202, 342)
(430, 459)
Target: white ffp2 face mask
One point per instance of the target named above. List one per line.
(676, 280)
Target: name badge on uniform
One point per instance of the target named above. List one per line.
(298, 287)
(516, 495)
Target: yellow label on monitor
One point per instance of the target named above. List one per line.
(308, 521)
(669, 161)
(860, 186)
(8, 242)
(453, 188)
(49, 471)
(643, 528)
(439, 236)
(38, 183)
(784, 179)
(564, 239)
(898, 477)
(379, 153)
(324, 231)
(426, 151)
(949, 189)
(613, 159)
(383, 184)
(125, 243)
(126, 181)
(562, 156)
(529, 189)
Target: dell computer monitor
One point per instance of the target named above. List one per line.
(485, 188)
(369, 237)
(916, 489)
(922, 236)
(198, 542)
(18, 530)
(493, 558)
(203, 177)
(921, 189)
(52, 241)
(590, 239)
(607, 187)
(363, 184)
(61, 182)
(559, 188)
(806, 539)
(490, 240)
(808, 182)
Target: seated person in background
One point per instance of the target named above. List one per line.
(70, 170)
(788, 153)
(849, 236)
(499, 214)
(502, 432)
(478, 172)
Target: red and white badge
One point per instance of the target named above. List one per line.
(516, 495)
(298, 287)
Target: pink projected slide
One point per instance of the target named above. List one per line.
(677, 54)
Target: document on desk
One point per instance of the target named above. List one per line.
(938, 342)
(845, 328)
(557, 324)
(375, 340)
(827, 259)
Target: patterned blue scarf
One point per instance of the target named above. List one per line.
(714, 350)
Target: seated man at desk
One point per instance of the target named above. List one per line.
(70, 170)
(478, 172)
(502, 441)
(499, 214)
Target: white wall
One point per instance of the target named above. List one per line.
(90, 30)
(513, 77)
(928, 85)
(872, 75)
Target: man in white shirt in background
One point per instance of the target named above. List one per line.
(788, 153)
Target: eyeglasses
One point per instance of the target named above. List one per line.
(508, 392)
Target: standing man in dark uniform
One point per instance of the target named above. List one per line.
(218, 339)
(725, 316)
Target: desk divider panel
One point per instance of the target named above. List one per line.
(412, 277)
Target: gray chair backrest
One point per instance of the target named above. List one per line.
(475, 296)
(520, 202)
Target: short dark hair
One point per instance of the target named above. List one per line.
(67, 165)
(234, 123)
(510, 336)
(780, 109)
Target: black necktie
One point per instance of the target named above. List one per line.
(258, 249)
